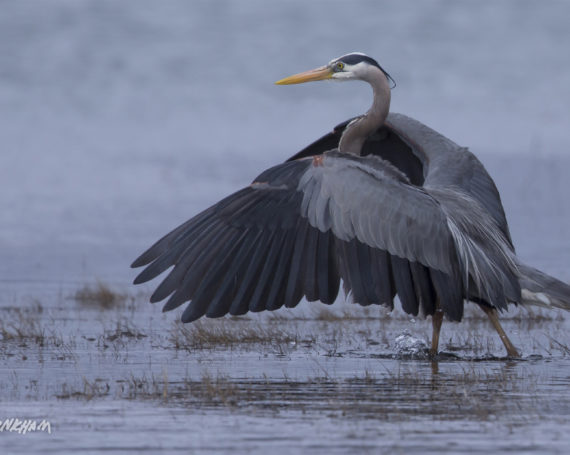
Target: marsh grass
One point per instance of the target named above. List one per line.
(26, 327)
(228, 334)
(89, 390)
(446, 391)
(123, 330)
(557, 345)
(214, 390)
(100, 296)
(209, 390)
(324, 314)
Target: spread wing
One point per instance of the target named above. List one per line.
(298, 229)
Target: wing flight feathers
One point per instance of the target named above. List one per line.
(304, 225)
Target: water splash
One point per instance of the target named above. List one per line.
(408, 345)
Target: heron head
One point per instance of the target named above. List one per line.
(354, 66)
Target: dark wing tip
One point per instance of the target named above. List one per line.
(191, 313)
(140, 278)
(138, 262)
(146, 258)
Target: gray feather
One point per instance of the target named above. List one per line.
(541, 289)
(368, 203)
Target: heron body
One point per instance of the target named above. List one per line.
(383, 203)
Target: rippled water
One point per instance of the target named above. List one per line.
(119, 120)
(329, 380)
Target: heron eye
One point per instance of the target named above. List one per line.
(339, 66)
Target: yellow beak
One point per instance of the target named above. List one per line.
(318, 74)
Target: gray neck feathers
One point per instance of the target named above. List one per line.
(357, 131)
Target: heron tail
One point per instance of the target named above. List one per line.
(540, 289)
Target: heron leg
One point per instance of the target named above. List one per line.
(492, 313)
(436, 320)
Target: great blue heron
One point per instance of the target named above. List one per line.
(383, 202)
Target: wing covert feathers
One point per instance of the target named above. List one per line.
(304, 225)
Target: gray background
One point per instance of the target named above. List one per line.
(121, 119)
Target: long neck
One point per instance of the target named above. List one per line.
(356, 133)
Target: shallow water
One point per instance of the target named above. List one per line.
(332, 380)
(120, 120)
